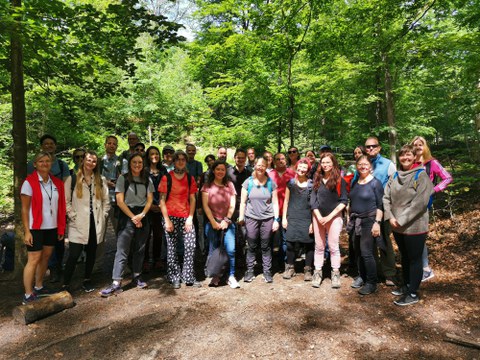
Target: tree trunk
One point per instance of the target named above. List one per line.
(390, 109)
(291, 103)
(19, 136)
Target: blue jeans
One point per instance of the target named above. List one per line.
(213, 237)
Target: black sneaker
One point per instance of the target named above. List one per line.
(407, 299)
(139, 282)
(367, 289)
(249, 276)
(267, 276)
(357, 283)
(30, 299)
(88, 286)
(400, 291)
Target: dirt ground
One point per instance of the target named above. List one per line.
(285, 320)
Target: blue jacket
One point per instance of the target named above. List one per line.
(381, 167)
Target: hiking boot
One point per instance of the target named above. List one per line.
(407, 299)
(357, 283)
(317, 278)
(113, 289)
(88, 286)
(139, 282)
(30, 299)
(307, 273)
(427, 275)
(368, 289)
(249, 276)
(402, 290)
(267, 276)
(289, 272)
(233, 282)
(336, 279)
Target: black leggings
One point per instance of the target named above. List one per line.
(309, 247)
(75, 250)
(411, 249)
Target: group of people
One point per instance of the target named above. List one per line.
(164, 209)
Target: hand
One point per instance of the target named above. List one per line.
(60, 237)
(28, 239)
(224, 225)
(394, 223)
(275, 226)
(168, 225)
(188, 224)
(324, 220)
(310, 229)
(137, 219)
(215, 225)
(376, 230)
(241, 222)
(285, 224)
(110, 184)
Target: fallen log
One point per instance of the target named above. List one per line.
(39, 309)
(462, 341)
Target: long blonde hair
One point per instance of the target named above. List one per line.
(427, 155)
(96, 175)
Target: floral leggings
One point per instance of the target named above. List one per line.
(174, 272)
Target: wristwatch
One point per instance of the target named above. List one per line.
(379, 222)
(278, 219)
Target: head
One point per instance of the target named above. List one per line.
(359, 151)
(422, 150)
(328, 168)
(42, 162)
(209, 160)
(78, 156)
(328, 162)
(240, 158)
(48, 144)
(152, 156)
(260, 168)
(372, 146)
(251, 154)
(310, 154)
(167, 154)
(180, 159)
(280, 161)
(111, 144)
(222, 153)
(191, 151)
(90, 162)
(136, 166)
(218, 172)
(406, 157)
(269, 157)
(293, 155)
(364, 167)
(139, 148)
(90, 165)
(132, 140)
(303, 167)
(325, 149)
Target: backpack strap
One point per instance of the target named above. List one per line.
(169, 183)
(339, 187)
(415, 178)
(250, 185)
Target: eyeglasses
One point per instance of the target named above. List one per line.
(140, 149)
(371, 146)
(78, 157)
(363, 165)
(168, 152)
(292, 151)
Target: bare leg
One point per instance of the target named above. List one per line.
(42, 266)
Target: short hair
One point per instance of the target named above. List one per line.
(111, 137)
(47, 136)
(209, 157)
(40, 155)
(405, 149)
(373, 138)
(179, 153)
(239, 150)
(279, 153)
(190, 144)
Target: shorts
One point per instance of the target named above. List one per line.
(41, 238)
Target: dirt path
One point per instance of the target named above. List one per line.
(283, 320)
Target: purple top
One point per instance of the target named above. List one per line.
(436, 169)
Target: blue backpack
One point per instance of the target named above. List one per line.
(415, 184)
(268, 185)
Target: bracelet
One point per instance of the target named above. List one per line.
(227, 220)
(379, 222)
(278, 219)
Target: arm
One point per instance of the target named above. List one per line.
(276, 210)
(208, 212)
(105, 198)
(68, 196)
(163, 208)
(285, 208)
(343, 201)
(28, 239)
(189, 221)
(438, 170)
(243, 205)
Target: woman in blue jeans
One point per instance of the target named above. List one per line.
(218, 198)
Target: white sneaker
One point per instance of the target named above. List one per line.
(233, 282)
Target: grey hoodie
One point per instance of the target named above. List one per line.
(406, 200)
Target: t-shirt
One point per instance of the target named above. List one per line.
(238, 178)
(136, 194)
(219, 198)
(195, 168)
(49, 203)
(281, 182)
(259, 201)
(59, 168)
(366, 197)
(178, 203)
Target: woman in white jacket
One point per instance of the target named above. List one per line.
(87, 209)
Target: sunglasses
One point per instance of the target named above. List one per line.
(292, 151)
(371, 146)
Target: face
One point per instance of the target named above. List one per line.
(140, 149)
(326, 164)
(222, 153)
(357, 153)
(210, 162)
(293, 153)
(269, 158)
(261, 167)
(191, 152)
(364, 167)
(132, 140)
(280, 162)
(111, 146)
(90, 162)
(49, 146)
(168, 156)
(78, 156)
(136, 165)
(220, 172)
(418, 146)
(181, 162)
(372, 148)
(43, 164)
(154, 156)
(240, 159)
(311, 156)
(302, 170)
(251, 154)
(406, 160)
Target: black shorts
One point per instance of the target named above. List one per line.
(43, 238)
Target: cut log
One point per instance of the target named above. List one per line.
(39, 309)
(462, 341)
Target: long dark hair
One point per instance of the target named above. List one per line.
(143, 176)
(211, 175)
(334, 175)
(148, 164)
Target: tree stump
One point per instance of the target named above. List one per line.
(39, 309)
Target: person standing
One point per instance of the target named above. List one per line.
(293, 157)
(125, 155)
(167, 155)
(43, 219)
(382, 169)
(110, 169)
(251, 159)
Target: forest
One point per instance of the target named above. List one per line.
(268, 74)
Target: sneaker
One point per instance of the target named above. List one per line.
(357, 283)
(139, 282)
(43, 292)
(176, 284)
(249, 276)
(87, 286)
(407, 299)
(267, 277)
(289, 272)
(336, 279)
(233, 282)
(402, 290)
(27, 300)
(368, 289)
(317, 278)
(307, 273)
(214, 282)
(427, 275)
(390, 281)
(111, 290)
(195, 284)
